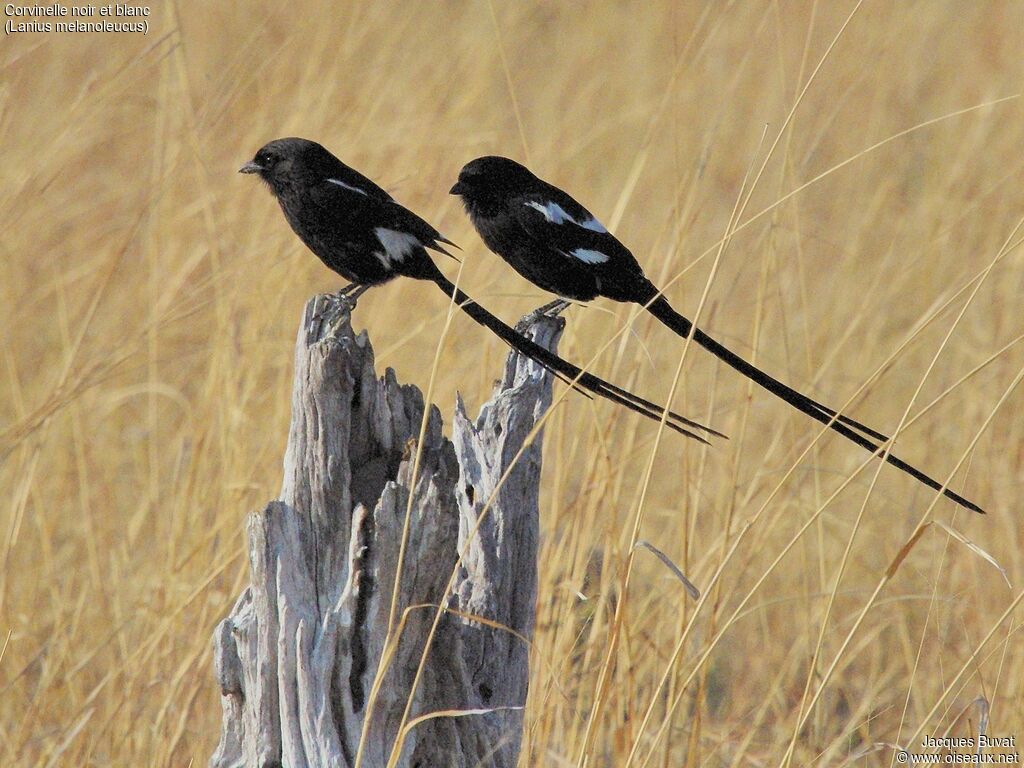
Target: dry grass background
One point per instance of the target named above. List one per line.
(150, 297)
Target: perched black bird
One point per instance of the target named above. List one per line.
(557, 244)
(359, 231)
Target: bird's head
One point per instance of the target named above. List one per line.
(283, 162)
(492, 179)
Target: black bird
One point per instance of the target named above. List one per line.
(558, 245)
(359, 231)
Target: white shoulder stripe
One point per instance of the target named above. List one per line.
(555, 214)
(593, 225)
(588, 256)
(397, 245)
(552, 211)
(348, 186)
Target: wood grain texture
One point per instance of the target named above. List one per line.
(297, 657)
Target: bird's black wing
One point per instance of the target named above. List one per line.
(398, 229)
(352, 181)
(556, 222)
(402, 219)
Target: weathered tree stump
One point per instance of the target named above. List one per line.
(298, 656)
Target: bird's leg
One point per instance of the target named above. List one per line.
(551, 309)
(350, 293)
(346, 290)
(554, 308)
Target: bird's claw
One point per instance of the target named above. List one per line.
(528, 321)
(551, 310)
(350, 294)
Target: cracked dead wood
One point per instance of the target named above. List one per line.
(298, 654)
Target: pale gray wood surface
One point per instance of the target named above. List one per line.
(297, 656)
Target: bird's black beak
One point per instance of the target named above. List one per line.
(251, 167)
(458, 189)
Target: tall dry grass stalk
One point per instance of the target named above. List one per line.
(859, 191)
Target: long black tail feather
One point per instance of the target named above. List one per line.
(845, 426)
(662, 310)
(583, 381)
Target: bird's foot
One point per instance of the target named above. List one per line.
(527, 321)
(550, 310)
(350, 294)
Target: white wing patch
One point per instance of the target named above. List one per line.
(588, 256)
(343, 185)
(397, 245)
(592, 224)
(554, 213)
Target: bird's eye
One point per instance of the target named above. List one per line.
(265, 159)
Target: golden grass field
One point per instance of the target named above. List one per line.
(842, 204)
